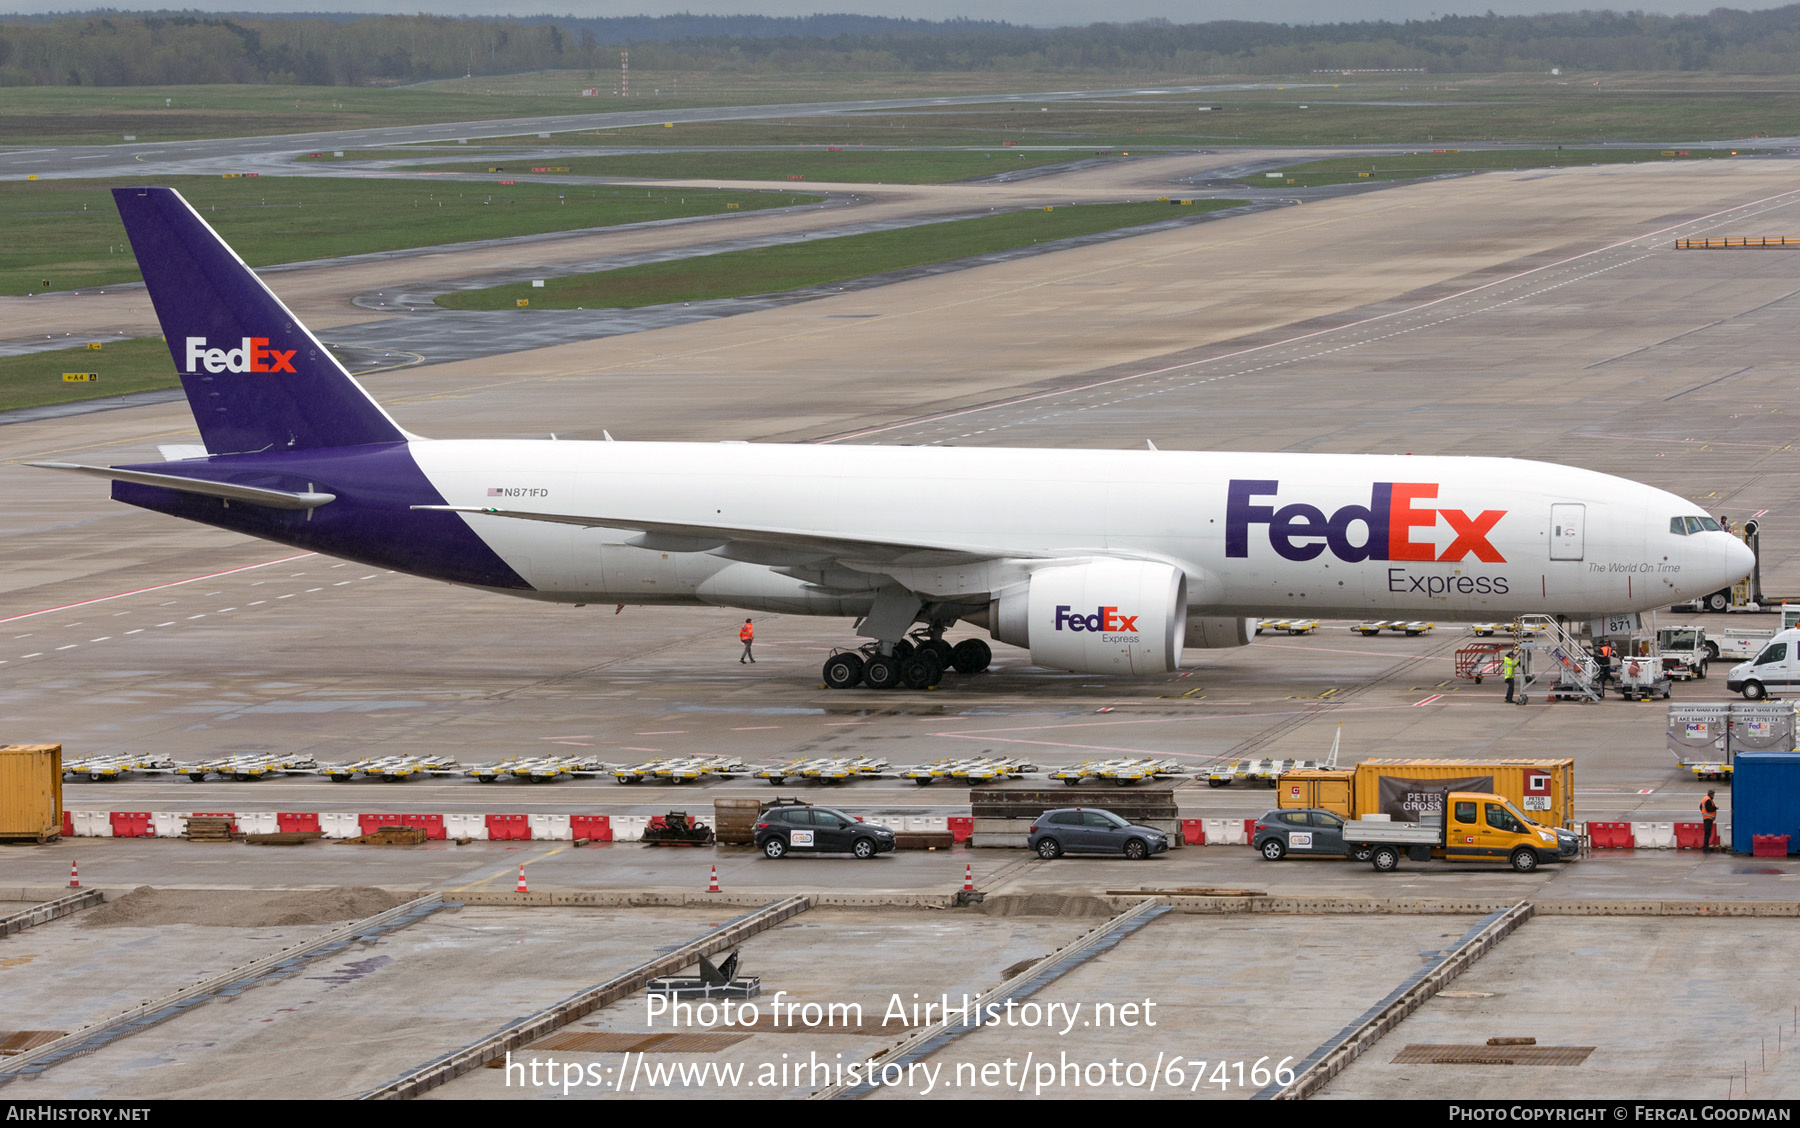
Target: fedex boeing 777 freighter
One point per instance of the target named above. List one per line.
(1098, 561)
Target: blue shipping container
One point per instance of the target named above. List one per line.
(1765, 798)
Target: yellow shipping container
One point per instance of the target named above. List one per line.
(31, 792)
(1403, 789)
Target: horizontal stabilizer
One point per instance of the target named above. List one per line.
(254, 495)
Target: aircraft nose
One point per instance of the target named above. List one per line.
(1739, 561)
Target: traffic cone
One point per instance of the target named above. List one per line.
(521, 888)
(714, 886)
(74, 876)
(968, 877)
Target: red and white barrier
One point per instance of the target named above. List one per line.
(550, 828)
(466, 826)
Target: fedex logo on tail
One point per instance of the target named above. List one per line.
(1105, 619)
(1388, 523)
(254, 355)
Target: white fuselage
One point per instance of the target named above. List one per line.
(1319, 534)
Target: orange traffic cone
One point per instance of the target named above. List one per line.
(968, 877)
(714, 886)
(521, 888)
(74, 876)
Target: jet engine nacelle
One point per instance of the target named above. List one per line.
(1212, 633)
(1102, 617)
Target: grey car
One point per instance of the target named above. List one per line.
(1280, 833)
(1089, 830)
(824, 830)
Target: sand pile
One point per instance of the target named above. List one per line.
(241, 908)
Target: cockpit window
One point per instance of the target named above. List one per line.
(1686, 526)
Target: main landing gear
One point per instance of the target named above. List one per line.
(917, 663)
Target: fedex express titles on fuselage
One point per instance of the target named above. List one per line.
(1472, 534)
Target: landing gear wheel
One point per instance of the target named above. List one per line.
(903, 650)
(1718, 601)
(843, 671)
(921, 671)
(941, 650)
(971, 656)
(881, 672)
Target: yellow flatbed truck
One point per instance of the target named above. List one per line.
(1474, 826)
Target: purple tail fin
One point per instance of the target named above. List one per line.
(255, 377)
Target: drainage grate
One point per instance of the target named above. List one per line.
(18, 1041)
(1417, 1054)
(862, 1030)
(625, 1041)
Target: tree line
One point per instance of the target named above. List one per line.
(125, 49)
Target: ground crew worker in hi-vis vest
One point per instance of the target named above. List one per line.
(1509, 669)
(745, 634)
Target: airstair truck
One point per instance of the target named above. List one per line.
(1470, 826)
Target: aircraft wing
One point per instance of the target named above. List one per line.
(680, 537)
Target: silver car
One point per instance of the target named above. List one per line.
(1089, 830)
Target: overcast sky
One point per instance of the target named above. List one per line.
(1039, 13)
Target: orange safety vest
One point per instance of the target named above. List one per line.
(745, 634)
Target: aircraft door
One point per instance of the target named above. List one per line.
(1566, 525)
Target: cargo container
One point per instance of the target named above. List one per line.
(1404, 790)
(1765, 801)
(31, 792)
(1709, 737)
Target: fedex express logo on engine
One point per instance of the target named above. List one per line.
(1301, 532)
(254, 355)
(1105, 619)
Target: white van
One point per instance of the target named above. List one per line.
(1775, 668)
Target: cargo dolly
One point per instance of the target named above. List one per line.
(980, 769)
(682, 769)
(540, 769)
(390, 769)
(830, 769)
(247, 768)
(1123, 772)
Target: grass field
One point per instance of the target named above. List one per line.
(862, 166)
(819, 262)
(65, 115)
(1348, 170)
(1642, 106)
(136, 365)
(66, 235)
